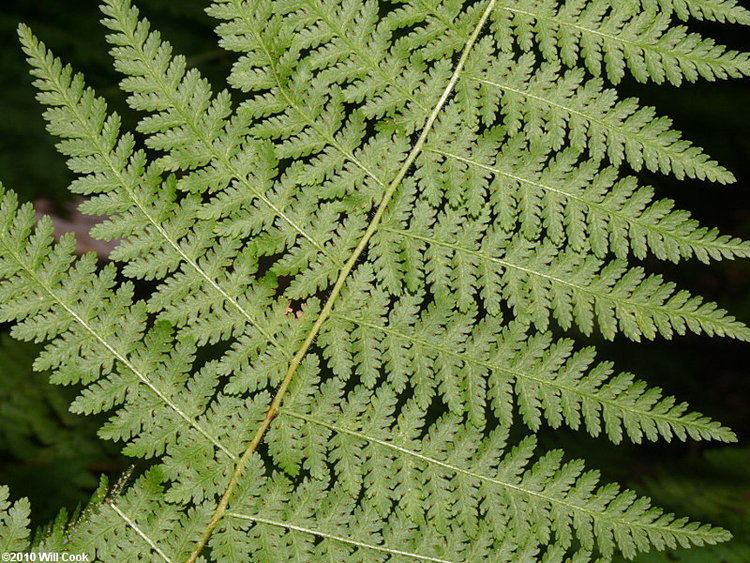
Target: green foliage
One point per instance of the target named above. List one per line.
(713, 486)
(41, 443)
(608, 38)
(27, 156)
(356, 274)
(14, 523)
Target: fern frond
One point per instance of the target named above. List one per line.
(355, 272)
(711, 10)
(141, 55)
(608, 40)
(184, 109)
(118, 526)
(556, 105)
(141, 209)
(93, 332)
(393, 458)
(156, 233)
(188, 122)
(14, 523)
(508, 501)
(305, 117)
(580, 201)
(463, 257)
(470, 363)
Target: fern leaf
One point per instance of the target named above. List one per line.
(356, 272)
(14, 523)
(183, 108)
(93, 330)
(555, 105)
(711, 10)
(187, 121)
(582, 202)
(607, 40)
(284, 519)
(161, 234)
(139, 206)
(469, 363)
(537, 279)
(111, 525)
(382, 454)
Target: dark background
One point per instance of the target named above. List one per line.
(54, 458)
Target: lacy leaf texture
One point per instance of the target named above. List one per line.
(334, 317)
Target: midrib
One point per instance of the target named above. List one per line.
(338, 286)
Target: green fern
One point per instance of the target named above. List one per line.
(357, 269)
(713, 486)
(41, 443)
(14, 523)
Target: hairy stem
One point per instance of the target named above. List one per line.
(273, 410)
